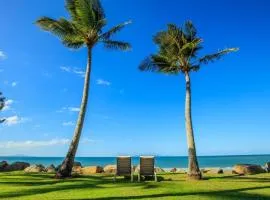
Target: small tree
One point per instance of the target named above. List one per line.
(178, 54)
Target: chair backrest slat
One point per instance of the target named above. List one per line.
(147, 165)
(123, 165)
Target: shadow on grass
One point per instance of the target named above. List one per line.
(225, 194)
(240, 178)
(44, 183)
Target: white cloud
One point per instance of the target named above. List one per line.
(103, 82)
(88, 140)
(13, 84)
(74, 70)
(8, 104)
(74, 109)
(3, 56)
(70, 109)
(14, 120)
(68, 123)
(33, 144)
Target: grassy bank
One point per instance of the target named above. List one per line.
(17, 185)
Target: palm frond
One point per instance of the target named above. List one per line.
(2, 101)
(60, 27)
(158, 63)
(71, 8)
(212, 57)
(112, 44)
(107, 35)
(189, 30)
(64, 29)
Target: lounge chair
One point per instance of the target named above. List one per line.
(123, 167)
(147, 167)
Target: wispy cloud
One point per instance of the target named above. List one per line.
(70, 123)
(88, 140)
(14, 120)
(103, 82)
(33, 143)
(12, 84)
(8, 104)
(3, 56)
(73, 70)
(70, 109)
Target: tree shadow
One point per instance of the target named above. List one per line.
(225, 194)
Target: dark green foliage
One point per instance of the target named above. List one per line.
(178, 51)
(2, 104)
(84, 27)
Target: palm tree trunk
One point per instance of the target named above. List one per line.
(193, 166)
(66, 167)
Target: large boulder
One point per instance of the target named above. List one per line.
(35, 168)
(110, 169)
(51, 169)
(91, 170)
(243, 169)
(76, 169)
(3, 165)
(267, 166)
(16, 166)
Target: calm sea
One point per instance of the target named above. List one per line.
(161, 161)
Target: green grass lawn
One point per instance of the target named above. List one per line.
(17, 185)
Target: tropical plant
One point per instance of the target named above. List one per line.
(178, 49)
(2, 105)
(83, 29)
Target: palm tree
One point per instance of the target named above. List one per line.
(83, 29)
(2, 105)
(178, 49)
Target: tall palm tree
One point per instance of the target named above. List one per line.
(2, 104)
(178, 49)
(83, 29)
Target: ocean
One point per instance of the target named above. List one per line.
(160, 161)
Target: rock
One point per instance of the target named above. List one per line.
(110, 169)
(76, 169)
(243, 169)
(212, 171)
(35, 168)
(75, 164)
(3, 165)
(17, 166)
(91, 170)
(51, 169)
(173, 170)
(159, 170)
(267, 166)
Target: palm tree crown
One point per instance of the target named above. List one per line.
(85, 26)
(178, 51)
(2, 105)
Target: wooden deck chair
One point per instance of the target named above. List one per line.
(147, 167)
(123, 167)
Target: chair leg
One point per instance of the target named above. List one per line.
(131, 177)
(139, 177)
(155, 177)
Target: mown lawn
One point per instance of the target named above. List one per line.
(17, 185)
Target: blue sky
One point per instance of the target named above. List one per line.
(131, 112)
